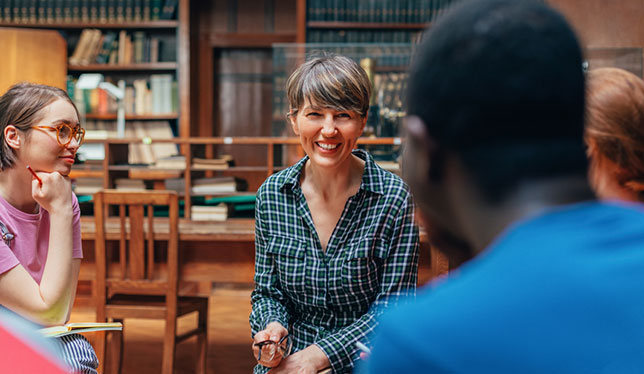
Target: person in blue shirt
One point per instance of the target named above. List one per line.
(552, 280)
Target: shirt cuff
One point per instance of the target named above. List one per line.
(338, 353)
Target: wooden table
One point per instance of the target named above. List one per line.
(222, 252)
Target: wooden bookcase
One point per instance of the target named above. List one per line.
(115, 164)
(176, 31)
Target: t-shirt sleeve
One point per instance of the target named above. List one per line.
(8, 260)
(77, 251)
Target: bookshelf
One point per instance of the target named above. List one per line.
(134, 40)
(114, 166)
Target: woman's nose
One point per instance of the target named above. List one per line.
(329, 128)
(73, 144)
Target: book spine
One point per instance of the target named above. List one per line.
(137, 11)
(145, 10)
(111, 11)
(155, 10)
(76, 16)
(128, 10)
(93, 10)
(67, 10)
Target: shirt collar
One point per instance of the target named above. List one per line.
(372, 179)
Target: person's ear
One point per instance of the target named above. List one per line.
(12, 136)
(364, 123)
(291, 115)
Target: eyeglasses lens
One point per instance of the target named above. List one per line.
(64, 134)
(268, 350)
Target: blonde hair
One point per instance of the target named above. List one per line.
(331, 81)
(615, 122)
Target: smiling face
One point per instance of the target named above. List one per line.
(327, 135)
(40, 148)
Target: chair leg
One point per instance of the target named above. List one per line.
(100, 350)
(114, 352)
(169, 343)
(202, 339)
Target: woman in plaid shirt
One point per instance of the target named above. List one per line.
(335, 238)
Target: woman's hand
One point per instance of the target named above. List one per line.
(307, 361)
(274, 331)
(55, 194)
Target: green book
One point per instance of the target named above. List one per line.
(233, 199)
(155, 9)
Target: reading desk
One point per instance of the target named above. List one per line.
(223, 252)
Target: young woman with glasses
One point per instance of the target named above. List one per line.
(41, 250)
(335, 239)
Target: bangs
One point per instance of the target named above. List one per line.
(330, 82)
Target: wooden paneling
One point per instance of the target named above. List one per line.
(38, 56)
(605, 23)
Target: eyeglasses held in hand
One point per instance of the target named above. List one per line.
(269, 349)
(65, 133)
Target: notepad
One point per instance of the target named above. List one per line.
(73, 328)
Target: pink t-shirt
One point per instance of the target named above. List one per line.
(31, 238)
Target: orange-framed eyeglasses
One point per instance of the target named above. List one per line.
(65, 133)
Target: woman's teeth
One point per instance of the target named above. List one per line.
(328, 147)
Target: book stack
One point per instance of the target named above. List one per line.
(170, 162)
(214, 186)
(87, 186)
(239, 205)
(217, 212)
(208, 186)
(76, 11)
(126, 184)
(212, 164)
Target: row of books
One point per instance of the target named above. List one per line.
(380, 11)
(122, 47)
(156, 95)
(70, 11)
(222, 208)
(138, 153)
(363, 36)
(208, 185)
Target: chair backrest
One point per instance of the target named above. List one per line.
(135, 273)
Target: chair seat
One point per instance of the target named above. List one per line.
(150, 307)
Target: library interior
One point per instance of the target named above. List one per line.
(185, 114)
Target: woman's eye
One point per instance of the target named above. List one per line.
(344, 115)
(313, 114)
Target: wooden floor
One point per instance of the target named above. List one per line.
(229, 339)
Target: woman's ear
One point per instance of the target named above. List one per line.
(364, 123)
(292, 119)
(12, 136)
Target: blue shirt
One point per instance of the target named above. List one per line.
(559, 293)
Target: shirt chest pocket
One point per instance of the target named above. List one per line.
(289, 258)
(361, 271)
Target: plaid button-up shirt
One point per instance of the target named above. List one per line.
(332, 298)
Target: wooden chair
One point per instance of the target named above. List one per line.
(136, 286)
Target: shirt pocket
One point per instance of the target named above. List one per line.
(289, 259)
(361, 270)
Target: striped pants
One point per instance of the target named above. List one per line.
(78, 354)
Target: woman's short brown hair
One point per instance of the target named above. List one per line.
(331, 81)
(615, 122)
(21, 106)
